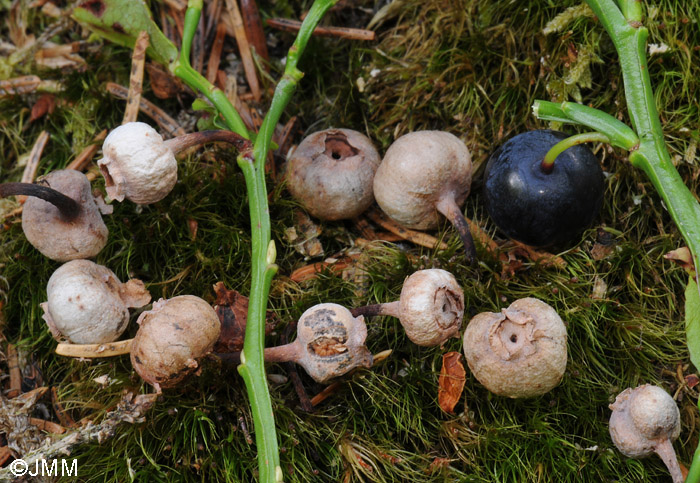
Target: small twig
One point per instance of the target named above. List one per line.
(47, 426)
(417, 237)
(325, 394)
(215, 54)
(166, 123)
(294, 374)
(289, 25)
(92, 351)
(63, 417)
(254, 28)
(15, 372)
(244, 48)
(19, 85)
(138, 60)
(85, 156)
(309, 272)
(33, 162)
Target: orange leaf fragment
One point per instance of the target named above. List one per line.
(451, 382)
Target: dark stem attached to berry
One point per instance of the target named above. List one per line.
(68, 207)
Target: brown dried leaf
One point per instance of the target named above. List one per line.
(682, 257)
(163, 84)
(692, 380)
(44, 105)
(232, 309)
(451, 382)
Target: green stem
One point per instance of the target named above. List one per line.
(651, 156)
(547, 164)
(184, 70)
(694, 470)
(618, 132)
(252, 368)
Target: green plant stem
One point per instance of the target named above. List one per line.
(547, 164)
(619, 133)
(252, 163)
(651, 156)
(184, 70)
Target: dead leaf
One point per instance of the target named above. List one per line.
(692, 380)
(163, 84)
(604, 245)
(600, 288)
(451, 382)
(682, 257)
(232, 309)
(44, 105)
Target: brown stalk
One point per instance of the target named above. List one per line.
(389, 308)
(138, 60)
(288, 25)
(68, 207)
(448, 207)
(47, 426)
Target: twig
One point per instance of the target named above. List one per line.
(15, 372)
(309, 272)
(254, 28)
(294, 374)
(47, 426)
(130, 410)
(138, 60)
(83, 159)
(215, 55)
(63, 417)
(166, 123)
(33, 162)
(244, 48)
(288, 25)
(417, 237)
(19, 85)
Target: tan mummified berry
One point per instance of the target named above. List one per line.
(520, 352)
(87, 304)
(330, 342)
(172, 337)
(646, 420)
(430, 307)
(330, 173)
(423, 174)
(64, 238)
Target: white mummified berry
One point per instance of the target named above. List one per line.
(87, 304)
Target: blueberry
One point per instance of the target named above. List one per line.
(537, 208)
